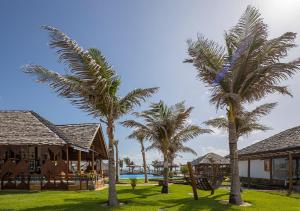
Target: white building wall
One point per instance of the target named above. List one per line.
(243, 168)
(256, 169)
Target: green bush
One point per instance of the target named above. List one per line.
(133, 182)
(184, 169)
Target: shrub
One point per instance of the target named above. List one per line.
(133, 182)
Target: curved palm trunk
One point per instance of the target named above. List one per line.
(112, 192)
(165, 187)
(235, 187)
(144, 163)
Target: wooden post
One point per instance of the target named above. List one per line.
(249, 172)
(78, 162)
(100, 164)
(290, 173)
(93, 157)
(193, 182)
(68, 163)
(271, 171)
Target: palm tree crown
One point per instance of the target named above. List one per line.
(246, 122)
(167, 128)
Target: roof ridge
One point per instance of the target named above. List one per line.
(76, 124)
(50, 126)
(7, 111)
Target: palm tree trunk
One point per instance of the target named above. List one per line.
(235, 188)
(112, 192)
(165, 187)
(144, 163)
(117, 163)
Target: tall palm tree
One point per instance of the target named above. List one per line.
(92, 85)
(247, 69)
(246, 122)
(164, 125)
(140, 135)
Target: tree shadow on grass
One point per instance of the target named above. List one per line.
(188, 203)
(17, 192)
(141, 192)
(282, 194)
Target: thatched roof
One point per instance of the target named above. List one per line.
(285, 140)
(210, 158)
(80, 134)
(27, 127)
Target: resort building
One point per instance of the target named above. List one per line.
(272, 161)
(36, 154)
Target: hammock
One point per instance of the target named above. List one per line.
(204, 183)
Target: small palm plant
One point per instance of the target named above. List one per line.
(247, 69)
(92, 85)
(133, 182)
(163, 126)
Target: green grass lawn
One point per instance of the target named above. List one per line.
(144, 198)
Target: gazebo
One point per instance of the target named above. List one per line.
(159, 166)
(210, 164)
(36, 154)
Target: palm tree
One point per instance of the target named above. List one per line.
(164, 125)
(92, 85)
(139, 135)
(246, 122)
(247, 69)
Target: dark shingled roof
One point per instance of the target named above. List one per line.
(80, 134)
(284, 140)
(27, 127)
(210, 158)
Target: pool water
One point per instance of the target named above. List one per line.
(139, 176)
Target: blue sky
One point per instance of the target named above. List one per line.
(145, 41)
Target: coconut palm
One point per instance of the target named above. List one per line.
(246, 122)
(139, 135)
(247, 69)
(164, 125)
(92, 85)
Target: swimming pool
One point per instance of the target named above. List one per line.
(139, 176)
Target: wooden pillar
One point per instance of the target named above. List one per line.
(78, 162)
(101, 168)
(290, 173)
(93, 158)
(249, 172)
(271, 171)
(193, 182)
(68, 164)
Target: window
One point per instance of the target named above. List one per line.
(280, 168)
(32, 165)
(267, 165)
